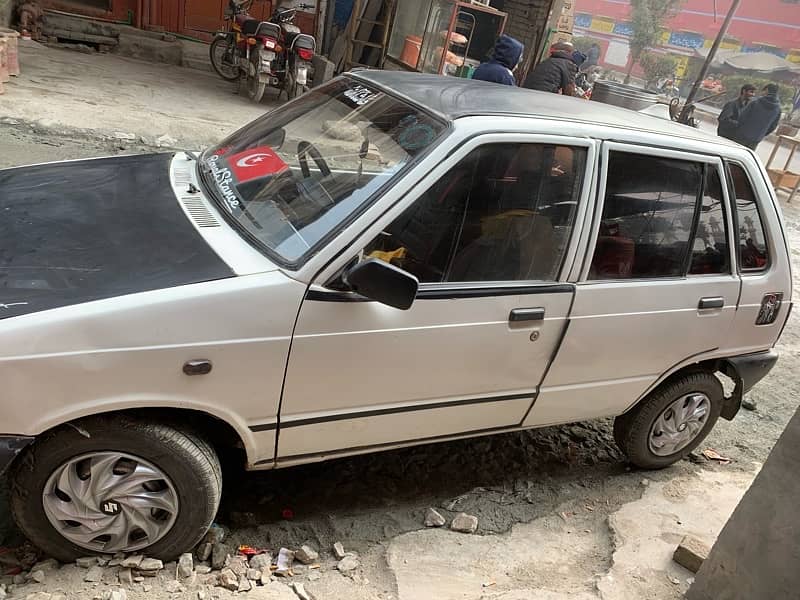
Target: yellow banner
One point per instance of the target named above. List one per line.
(602, 25)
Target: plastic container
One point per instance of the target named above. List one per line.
(411, 50)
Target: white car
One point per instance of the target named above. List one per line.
(392, 259)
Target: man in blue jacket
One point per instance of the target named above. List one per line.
(759, 118)
(499, 69)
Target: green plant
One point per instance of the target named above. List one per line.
(656, 66)
(647, 21)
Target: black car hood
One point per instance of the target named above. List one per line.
(87, 230)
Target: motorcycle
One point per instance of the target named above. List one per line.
(260, 53)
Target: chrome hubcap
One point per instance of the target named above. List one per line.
(679, 424)
(110, 502)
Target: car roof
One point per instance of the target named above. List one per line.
(455, 97)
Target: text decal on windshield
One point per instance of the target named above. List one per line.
(360, 95)
(224, 180)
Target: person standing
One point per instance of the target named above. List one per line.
(729, 117)
(759, 118)
(500, 68)
(555, 74)
(592, 57)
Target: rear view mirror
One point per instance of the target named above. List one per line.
(385, 283)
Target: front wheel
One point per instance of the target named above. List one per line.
(224, 57)
(671, 421)
(129, 486)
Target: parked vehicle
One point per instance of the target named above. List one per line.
(444, 261)
(261, 53)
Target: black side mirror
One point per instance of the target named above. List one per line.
(378, 280)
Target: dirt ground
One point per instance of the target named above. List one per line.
(561, 514)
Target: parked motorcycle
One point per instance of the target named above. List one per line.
(260, 53)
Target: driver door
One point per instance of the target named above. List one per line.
(488, 238)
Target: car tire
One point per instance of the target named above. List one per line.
(187, 473)
(671, 421)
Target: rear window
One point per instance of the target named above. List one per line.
(751, 239)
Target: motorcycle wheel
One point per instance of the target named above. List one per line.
(290, 85)
(220, 49)
(255, 88)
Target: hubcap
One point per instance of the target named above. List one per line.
(679, 424)
(110, 502)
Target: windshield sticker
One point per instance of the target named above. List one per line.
(256, 163)
(360, 95)
(224, 180)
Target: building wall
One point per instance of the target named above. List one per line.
(527, 21)
(6, 7)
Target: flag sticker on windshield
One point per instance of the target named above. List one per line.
(256, 163)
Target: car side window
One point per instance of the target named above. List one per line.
(503, 213)
(710, 252)
(648, 217)
(751, 240)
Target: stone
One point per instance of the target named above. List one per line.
(266, 577)
(58, 596)
(307, 555)
(50, 564)
(691, 553)
(202, 595)
(151, 564)
(94, 575)
(202, 569)
(238, 564)
(147, 588)
(38, 576)
(166, 141)
(348, 563)
(244, 584)
(19, 579)
(118, 595)
(132, 562)
(228, 580)
(3, 593)
(126, 576)
(185, 568)
(464, 523)
(138, 579)
(284, 563)
(39, 596)
(203, 551)
(86, 562)
(121, 135)
(338, 551)
(174, 587)
(314, 576)
(261, 562)
(253, 574)
(219, 556)
(433, 518)
(748, 404)
(301, 592)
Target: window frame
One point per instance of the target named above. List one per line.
(730, 189)
(706, 160)
(457, 154)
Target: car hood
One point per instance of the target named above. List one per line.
(73, 232)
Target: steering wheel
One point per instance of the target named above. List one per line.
(307, 148)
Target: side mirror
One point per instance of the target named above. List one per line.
(378, 280)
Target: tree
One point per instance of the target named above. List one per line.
(647, 20)
(656, 66)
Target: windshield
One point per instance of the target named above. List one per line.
(294, 176)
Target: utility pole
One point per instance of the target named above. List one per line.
(711, 54)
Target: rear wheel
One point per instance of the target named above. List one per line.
(255, 87)
(224, 57)
(130, 486)
(671, 421)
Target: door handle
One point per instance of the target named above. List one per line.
(715, 302)
(526, 314)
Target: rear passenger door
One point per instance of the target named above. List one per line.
(656, 289)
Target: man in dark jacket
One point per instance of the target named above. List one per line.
(499, 69)
(729, 117)
(555, 74)
(759, 118)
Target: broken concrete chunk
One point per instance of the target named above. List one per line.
(301, 592)
(185, 568)
(86, 562)
(253, 574)
(202, 595)
(691, 553)
(348, 563)
(202, 569)
(749, 404)
(139, 579)
(307, 555)
(151, 564)
(38, 576)
(39, 596)
(219, 556)
(228, 580)
(50, 564)
(433, 518)
(265, 577)
(244, 584)
(58, 596)
(126, 577)
(94, 575)
(215, 535)
(338, 550)
(203, 551)
(261, 562)
(132, 562)
(118, 595)
(464, 523)
(174, 587)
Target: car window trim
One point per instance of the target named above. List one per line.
(600, 199)
(329, 273)
(742, 272)
(726, 212)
